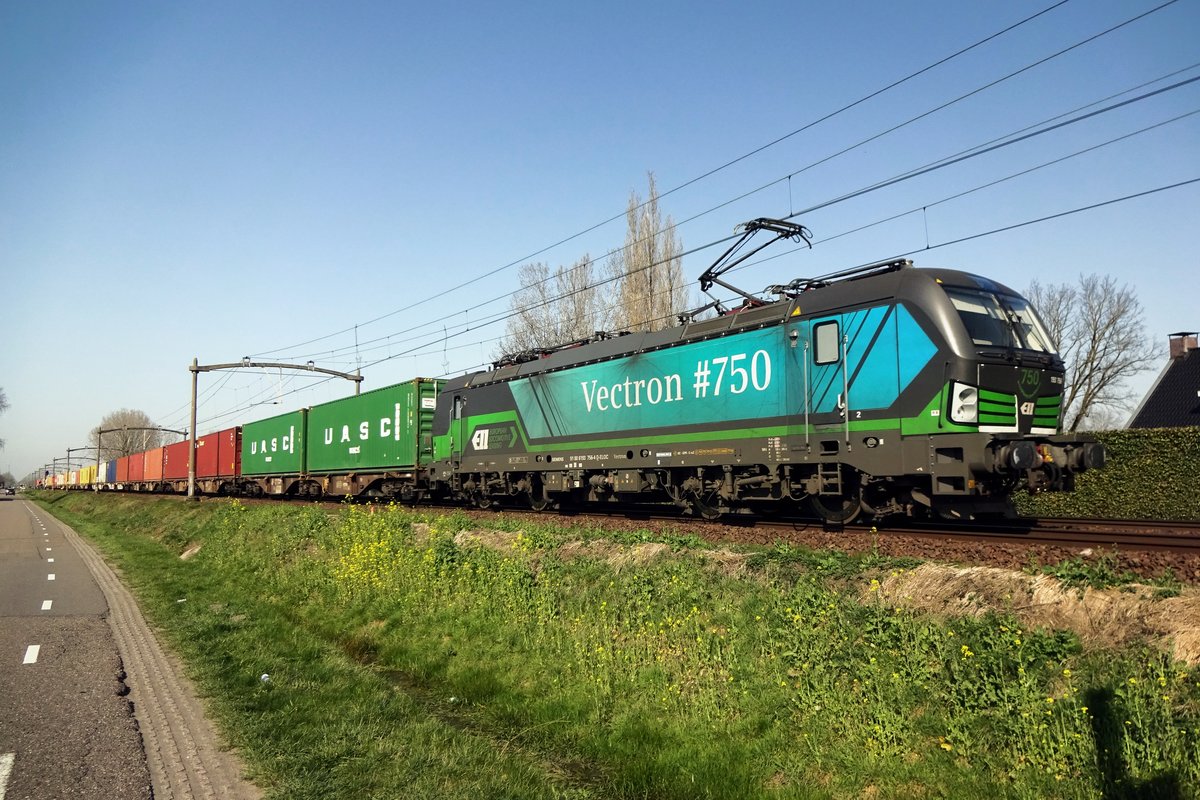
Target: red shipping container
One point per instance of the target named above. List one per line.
(207, 456)
(123, 469)
(175, 461)
(137, 467)
(219, 454)
(154, 464)
(229, 452)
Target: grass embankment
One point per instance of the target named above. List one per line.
(402, 663)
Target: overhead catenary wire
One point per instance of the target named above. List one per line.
(997, 181)
(983, 151)
(978, 235)
(807, 126)
(992, 232)
(993, 145)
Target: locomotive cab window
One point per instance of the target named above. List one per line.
(825, 337)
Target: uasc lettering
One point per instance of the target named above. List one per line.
(389, 427)
(274, 444)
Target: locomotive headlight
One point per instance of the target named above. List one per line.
(964, 403)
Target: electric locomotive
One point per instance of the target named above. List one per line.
(882, 389)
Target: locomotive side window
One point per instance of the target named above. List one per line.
(825, 335)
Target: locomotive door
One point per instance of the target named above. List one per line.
(828, 385)
(458, 431)
(855, 373)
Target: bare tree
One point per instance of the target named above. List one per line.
(119, 441)
(648, 270)
(555, 308)
(1101, 336)
(643, 290)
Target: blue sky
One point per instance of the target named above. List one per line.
(220, 179)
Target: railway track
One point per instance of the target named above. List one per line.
(1076, 534)
(1181, 537)
(1146, 548)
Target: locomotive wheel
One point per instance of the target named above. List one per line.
(837, 510)
(840, 508)
(706, 506)
(538, 500)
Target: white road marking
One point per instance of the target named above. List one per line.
(31, 653)
(46, 604)
(49, 560)
(6, 765)
(50, 577)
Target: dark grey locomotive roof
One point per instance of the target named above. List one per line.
(918, 285)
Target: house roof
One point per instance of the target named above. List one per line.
(1174, 399)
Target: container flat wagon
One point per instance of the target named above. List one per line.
(273, 455)
(373, 444)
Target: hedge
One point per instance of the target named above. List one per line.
(1150, 474)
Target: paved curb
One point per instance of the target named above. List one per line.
(183, 754)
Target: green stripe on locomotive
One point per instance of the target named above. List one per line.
(1047, 411)
(997, 408)
(509, 421)
(932, 419)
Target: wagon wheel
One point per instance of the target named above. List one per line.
(838, 509)
(481, 500)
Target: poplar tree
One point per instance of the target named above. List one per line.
(648, 270)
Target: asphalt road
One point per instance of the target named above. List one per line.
(66, 727)
(91, 705)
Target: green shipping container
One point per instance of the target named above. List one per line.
(389, 428)
(274, 446)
